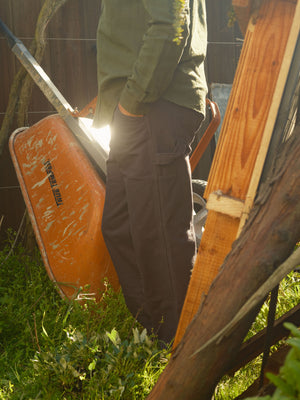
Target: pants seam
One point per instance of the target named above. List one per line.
(161, 219)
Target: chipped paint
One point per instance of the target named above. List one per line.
(56, 244)
(40, 202)
(39, 144)
(40, 183)
(68, 226)
(52, 139)
(66, 256)
(29, 141)
(32, 169)
(45, 159)
(48, 226)
(47, 214)
(84, 210)
(33, 164)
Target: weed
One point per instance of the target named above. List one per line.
(287, 382)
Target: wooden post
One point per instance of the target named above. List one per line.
(246, 131)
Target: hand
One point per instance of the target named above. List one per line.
(125, 112)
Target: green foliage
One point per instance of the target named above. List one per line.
(287, 382)
(52, 348)
(231, 18)
(25, 294)
(99, 366)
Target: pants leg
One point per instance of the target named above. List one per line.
(117, 235)
(148, 212)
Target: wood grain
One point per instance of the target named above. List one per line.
(240, 141)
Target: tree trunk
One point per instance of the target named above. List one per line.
(267, 239)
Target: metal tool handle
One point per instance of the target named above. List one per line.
(37, 73)
(12, 40)
(54, 96)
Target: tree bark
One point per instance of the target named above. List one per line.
(267, 239)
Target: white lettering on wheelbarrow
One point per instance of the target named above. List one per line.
(53, 183)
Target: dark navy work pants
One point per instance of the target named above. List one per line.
(147, 217)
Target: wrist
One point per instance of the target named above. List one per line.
(125, 112)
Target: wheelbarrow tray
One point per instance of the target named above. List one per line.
(64, 196)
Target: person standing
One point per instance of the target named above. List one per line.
(151, 90)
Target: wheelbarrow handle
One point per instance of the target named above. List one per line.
(37, 73)
(11, 38)
(208, 134)
(65, 110)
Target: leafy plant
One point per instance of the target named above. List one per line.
(101, 364)
(287, 382)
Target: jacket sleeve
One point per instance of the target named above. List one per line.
(158, 57)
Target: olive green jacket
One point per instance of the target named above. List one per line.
(140, 57)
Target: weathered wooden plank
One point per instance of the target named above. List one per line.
(250, 100)
(210, 256)
(217, 201)
(273, 110)
(240, 140)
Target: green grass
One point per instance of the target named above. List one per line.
(52, 348)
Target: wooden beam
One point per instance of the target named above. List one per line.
(274, 363)
(255, 345)
(273, 110)
(223, 204)
(247, 114)
(251, 98)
